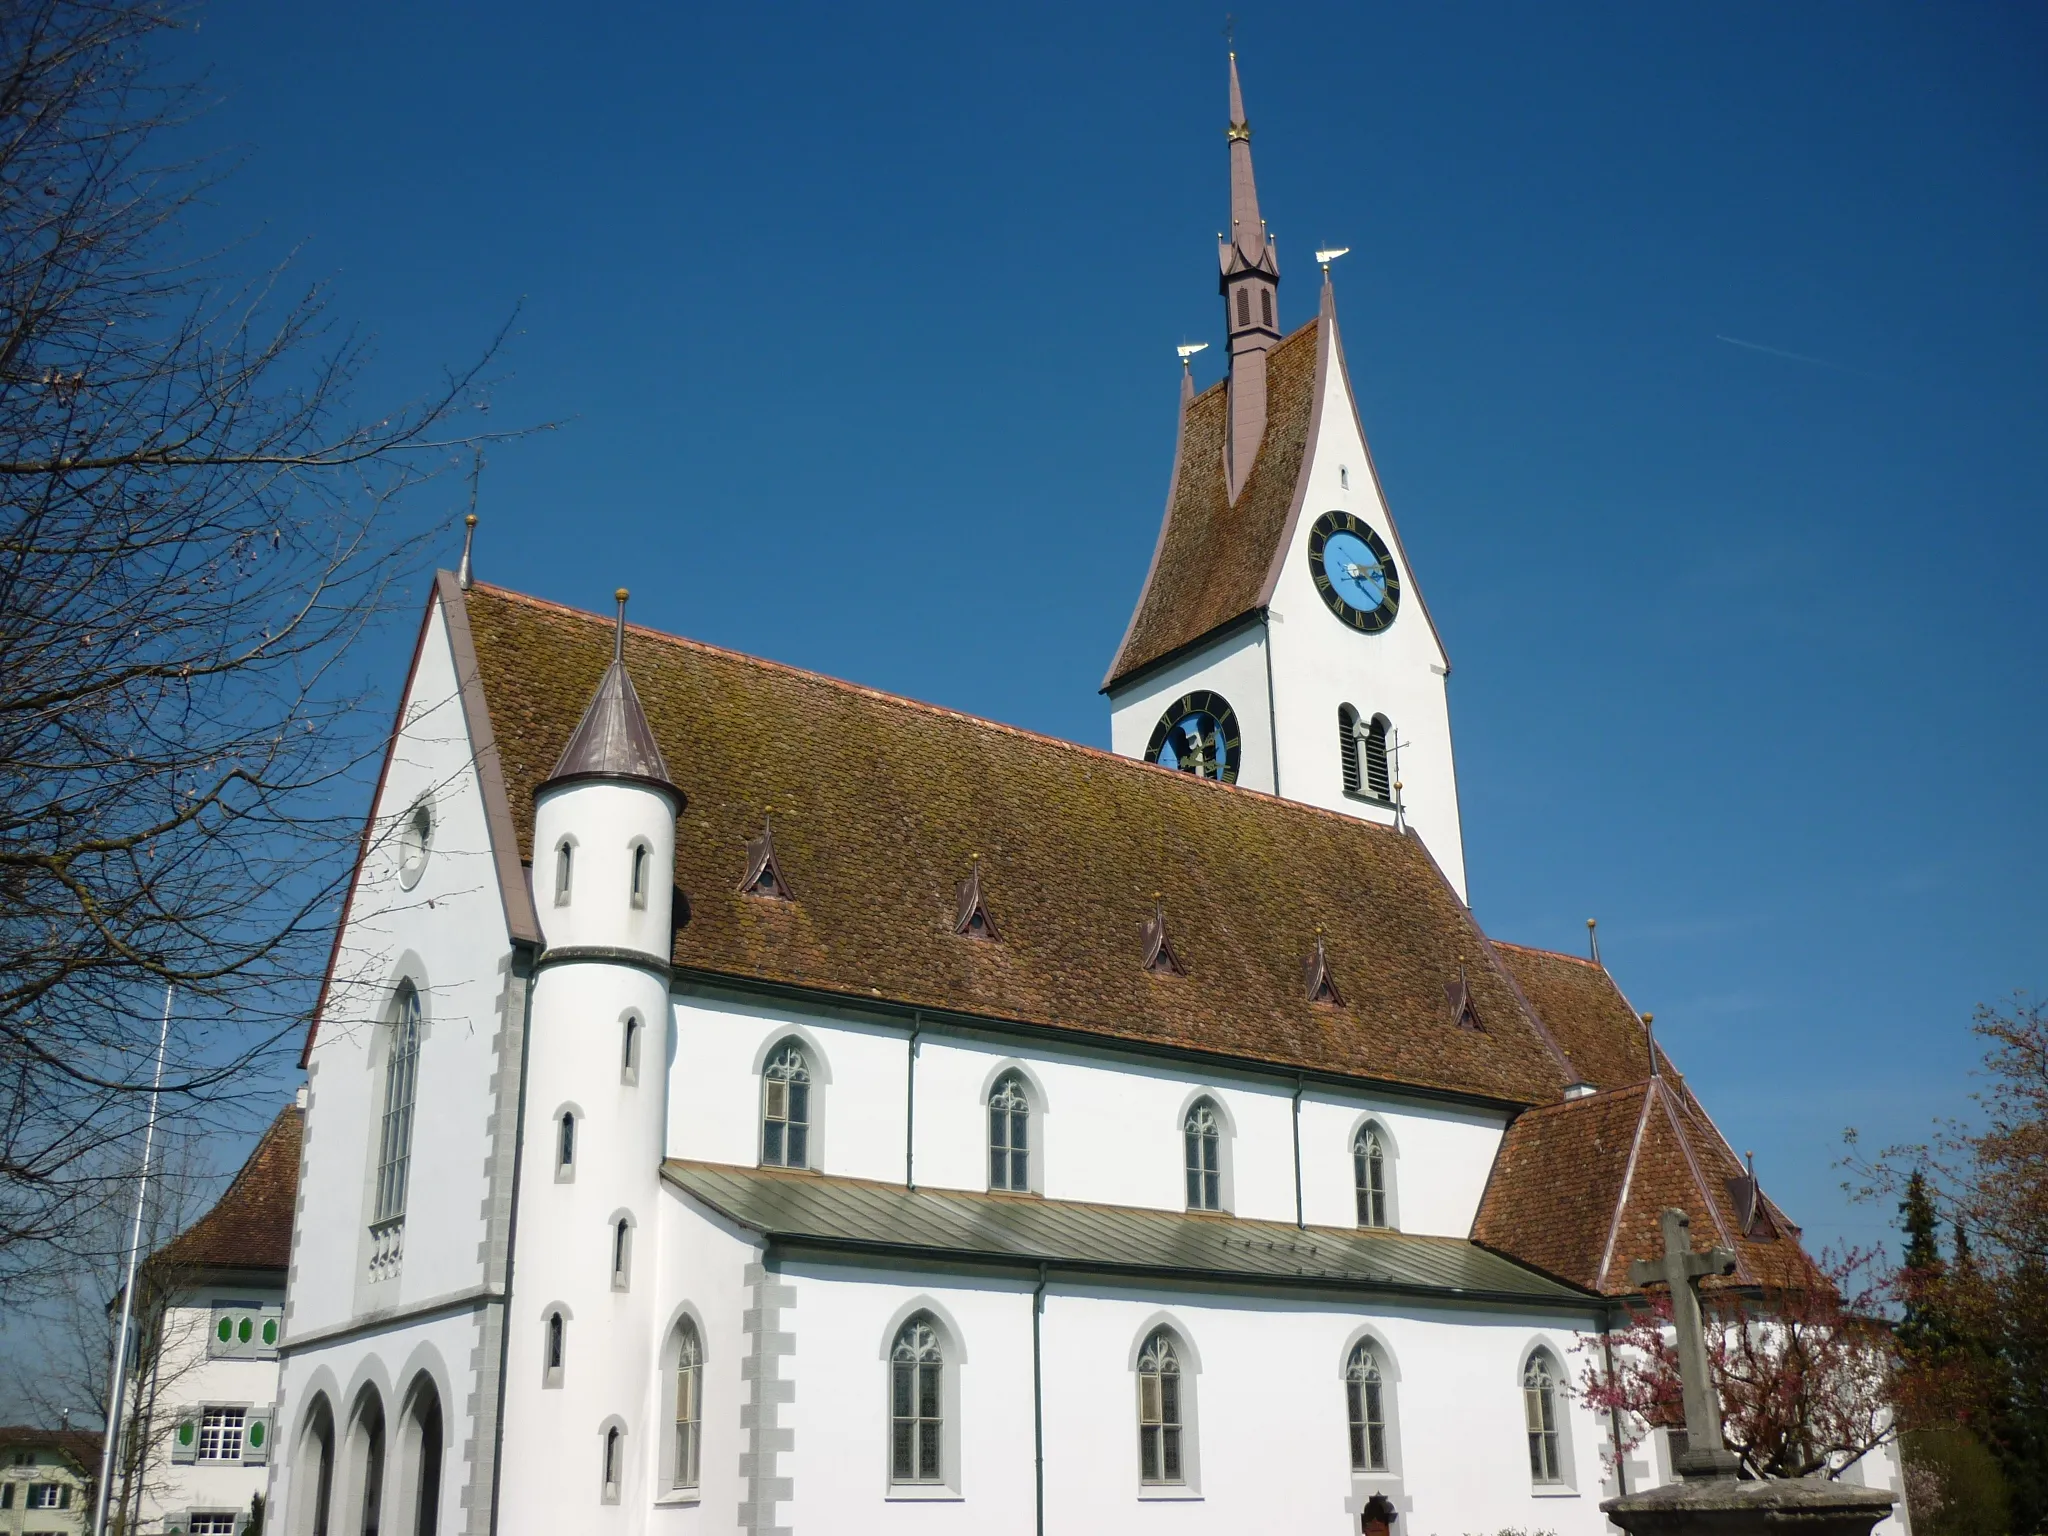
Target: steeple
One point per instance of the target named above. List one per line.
(613, 740)
(1249, 274)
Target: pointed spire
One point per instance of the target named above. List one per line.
(1249, 273)
(613, 740)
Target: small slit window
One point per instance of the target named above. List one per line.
(642, 861)
(614, 1439)
(622, 1254)
(629, 1049)
(1160, 1459)
(565, 860)
(565, 1144)
(786, 1109)
(553, 1344)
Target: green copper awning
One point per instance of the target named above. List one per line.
(812, 1213)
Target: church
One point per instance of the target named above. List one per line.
(744, 1101)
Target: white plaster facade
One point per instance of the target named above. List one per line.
(210, 1408)
(1288, 668)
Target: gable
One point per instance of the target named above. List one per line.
(880, 806)
(1214, 558)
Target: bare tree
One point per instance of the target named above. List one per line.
(195, 525)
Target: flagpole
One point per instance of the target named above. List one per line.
(120, 1384)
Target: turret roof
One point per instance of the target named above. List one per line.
(613, 740)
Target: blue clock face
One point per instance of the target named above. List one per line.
(1354, 572)
(1198, 735)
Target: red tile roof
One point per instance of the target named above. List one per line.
(880, 805)
(250, 1226)
(1582, 1007)
(1212, 561)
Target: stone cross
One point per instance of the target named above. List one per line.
(1706, 1454)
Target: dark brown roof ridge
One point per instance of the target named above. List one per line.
(946, 711)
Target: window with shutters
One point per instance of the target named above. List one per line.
(220, 1434)
(1379, 783)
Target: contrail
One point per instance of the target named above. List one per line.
(1797, 357)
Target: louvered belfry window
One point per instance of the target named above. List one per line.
(1266, 306)
(1377, 780)
(1347, 747)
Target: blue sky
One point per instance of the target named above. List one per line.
(1701, 351)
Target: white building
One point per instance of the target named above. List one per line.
(743, 1101)
(201, 1403)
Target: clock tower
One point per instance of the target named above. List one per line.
(1281, 642)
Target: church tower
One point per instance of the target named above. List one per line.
(1281, 641)
(583, 1313)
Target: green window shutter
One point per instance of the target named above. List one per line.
(185, 1436)
(63, 1495)
(245, 1330)
(256, 1438)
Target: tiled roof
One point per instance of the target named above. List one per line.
(250, 1226)
(1580, 1004)
(880, 804)
(1577, 1189)
(1213, 558)
(80, 1446)
(845, 1215)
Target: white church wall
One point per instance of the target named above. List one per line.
(1108, 1125)
(384, 1368)
(1439, 1157)
(1267, 1439)
(1319, 663)
(444, 930)
(1235, 667)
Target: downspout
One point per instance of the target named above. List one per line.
(910, 1106)
(1272, 710)
(511, 1246)
(1300, 1222)
(1614, 1413)
(1038, 1404)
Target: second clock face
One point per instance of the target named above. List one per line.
(1198, 735)
(1354, 572)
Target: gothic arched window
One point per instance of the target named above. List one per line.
(1539, 1408)
(622, 1254)
(1203, 1132)
(1377, 780)
(401, 1080)
(1369, 1173)
(1009, 1135)
(552, 1348)
(786, 1108)
(565, 1145)
(1366, 1403)
(1160, 1419)
(614, 1444)
(689, 1404)
(916, 1404)
(1347, 748)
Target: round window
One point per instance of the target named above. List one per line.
(415, 837)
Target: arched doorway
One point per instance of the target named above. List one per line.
(363, 1509)
(313, 1471)
(420, 1448)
